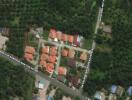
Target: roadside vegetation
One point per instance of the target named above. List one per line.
(112, 62)
(15, 82)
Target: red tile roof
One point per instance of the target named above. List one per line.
(53, 51)
(59, 34)
(70, 38)
(50, 67)
(52, 33)
(52, 59)
(64, 52)
(28, 56)
(62, 71)
(29, 49)
(83, 56)
(43, 63)
(71, 53)
(45, 49)
(64, 37)
(44, 57)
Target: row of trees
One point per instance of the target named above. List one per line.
(69, 16)
(14, 82)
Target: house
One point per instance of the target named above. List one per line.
(59, 35)
(99, 95)
(77, 40)
(52, 34)
(62, 71)
(70, 39)
(44, 57)
(43, 63)
(41, 84)
(28, 56)
(71, 53)
(29, 49)
(120, 91)
(129, 90)
(116, 89)
(66, 98)
(112, 97)
(64, 37)
(29, 52)
(53, 51)
(113, 89)
(64, 53)
(50, 67)
(84, 56)
(52, 59)
(45, 49)
(3, 40)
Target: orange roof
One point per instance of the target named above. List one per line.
(45, 49)
(64, 37)
(71, 53)
(62, 71)
(29, 49)
(52, 33)
(83, 56)
(28, 56)
(70, 38)
(64, 52)
(53, 51)
(50, 67)
(43, 63)
(44, 57)
(52, 59)
(59, 33)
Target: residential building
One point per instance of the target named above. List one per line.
(84, 56)
(29, 49)
(64, 52)
(71, 53)
(45, 49)
(70, 39)
(52, 34)
(64, 37)
(59, 35)
(99, 95)
(62, 70)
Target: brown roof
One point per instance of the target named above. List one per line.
(62, 71)
(64, 37)
(59, 33)
(50, 67)
(70, 38)
(64, 52)
(71, 53)
(45, 49)
(53, 51)
(29, 49)
(74, 80)
(52, 59)
(83, 56)
(43, 63)
(28, 56)
(44, 57)
(52, 33)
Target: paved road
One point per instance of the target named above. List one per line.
(43, 76)
(93, 44)
(67, 46)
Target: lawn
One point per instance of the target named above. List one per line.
(87, 44)
(45, 35)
